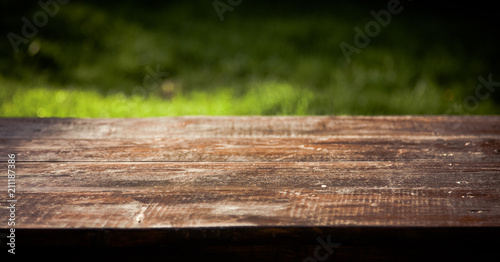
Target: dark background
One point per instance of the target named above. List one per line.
(445, 46)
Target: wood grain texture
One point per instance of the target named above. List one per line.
(253, 139)
(281, 173)
(212, 127)
(256, 149)
(181, 195)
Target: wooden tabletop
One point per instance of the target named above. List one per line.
(300, 177)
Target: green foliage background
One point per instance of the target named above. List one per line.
(265, 58)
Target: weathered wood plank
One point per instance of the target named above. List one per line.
(255, 149)
(382, 187)
(180, 195)
(253, 127)
(248, 139)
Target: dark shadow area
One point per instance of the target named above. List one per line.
(264, 244)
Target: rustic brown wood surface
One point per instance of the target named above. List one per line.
(273, 175)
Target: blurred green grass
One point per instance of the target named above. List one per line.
(91, 60)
